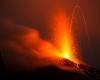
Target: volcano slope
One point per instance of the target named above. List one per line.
(83, 72)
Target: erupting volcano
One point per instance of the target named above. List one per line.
(25, 50)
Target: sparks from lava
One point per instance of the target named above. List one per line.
(63, 37)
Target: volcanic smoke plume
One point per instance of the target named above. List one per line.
(23, 48)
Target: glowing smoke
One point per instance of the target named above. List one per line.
(22, 47)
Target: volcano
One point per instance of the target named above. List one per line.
(55, 58)
(80, 72)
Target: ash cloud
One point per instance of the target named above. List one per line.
(22, 48)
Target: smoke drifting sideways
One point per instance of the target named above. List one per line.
(22, 48)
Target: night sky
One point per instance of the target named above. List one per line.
(35, 14)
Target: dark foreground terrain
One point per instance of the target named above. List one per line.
(50, 73)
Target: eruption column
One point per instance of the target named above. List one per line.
(62, 38)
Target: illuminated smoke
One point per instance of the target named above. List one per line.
(23, 48)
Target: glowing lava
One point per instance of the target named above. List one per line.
(62, 37)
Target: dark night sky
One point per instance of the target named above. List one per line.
(36, 13)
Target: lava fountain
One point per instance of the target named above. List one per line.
(62, 37)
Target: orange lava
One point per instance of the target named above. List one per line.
(62, 38)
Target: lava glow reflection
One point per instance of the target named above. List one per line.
(62, 37)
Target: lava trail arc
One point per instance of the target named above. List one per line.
(63, 34)
(78, 27)
(78, 11)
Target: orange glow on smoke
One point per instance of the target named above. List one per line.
(62, 38)
(28, 50)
